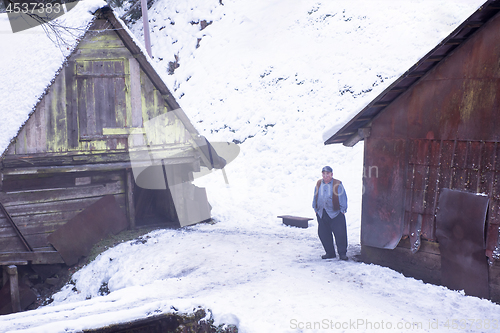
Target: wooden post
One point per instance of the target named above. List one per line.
(130, 198)
(145, 24)
(14, 288)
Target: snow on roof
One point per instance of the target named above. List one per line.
(30, 62)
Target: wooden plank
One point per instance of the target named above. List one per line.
(42, 227)
(101, 54)
(4, 224)
(21, 142)
(110, 94)
(90, 101)
(51, 159)
(130, 199)
(41, 257)
(160, 109)
(122, 130)
(76, 168)
(56, 115)
(41, 209)
(33, 182)
(135, 93)
(120, 106)
(11, 150)
(72, 106)
(30, 132)
(82, 105)
(19, 198)
(61, 115)
(11, 243)
(41, 124)
(39, 240)
(177, 154)
(147, 93)
(103, 42)
(31, 224)
(9, 232)
(99, 97)
(40, 178)
(14, 226)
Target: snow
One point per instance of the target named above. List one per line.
(274, 75)
(30, 61)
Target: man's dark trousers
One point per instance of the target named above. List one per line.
(337, 225)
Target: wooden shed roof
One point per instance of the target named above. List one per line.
(353, 131)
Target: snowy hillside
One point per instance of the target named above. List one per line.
(273, 76)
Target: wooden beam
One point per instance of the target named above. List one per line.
(41, 257)
(14, 288)
(380, 104)
(68, 168)
(130, 198)
(361, 119)
(434, 59)
(416, 74)
(16, 229)
(123, 131)
(351, 141)
(454, 41)
(474, 24)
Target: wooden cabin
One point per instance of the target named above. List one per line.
(431, 196)
(73, 173)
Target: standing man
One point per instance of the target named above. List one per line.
(330, 205)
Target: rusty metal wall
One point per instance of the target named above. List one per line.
(448, 123)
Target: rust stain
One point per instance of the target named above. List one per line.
(467, 104)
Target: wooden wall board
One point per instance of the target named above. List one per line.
(37, 257)
(38, 213)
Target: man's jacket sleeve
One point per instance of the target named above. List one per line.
(342, 199)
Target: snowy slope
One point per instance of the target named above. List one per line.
(274, 75)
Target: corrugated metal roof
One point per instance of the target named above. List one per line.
(349, 133)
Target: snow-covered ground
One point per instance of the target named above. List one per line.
(274, 75)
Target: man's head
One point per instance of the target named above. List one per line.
(327, 173)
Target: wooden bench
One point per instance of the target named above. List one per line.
(295, 221)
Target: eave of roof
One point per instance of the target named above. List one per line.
(352, 132)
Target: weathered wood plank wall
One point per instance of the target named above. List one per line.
(39, 212)
(99, 97)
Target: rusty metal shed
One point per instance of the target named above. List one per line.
(432, 145)
(69, 167)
